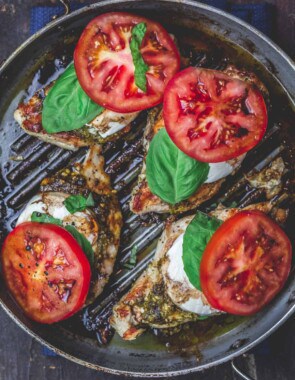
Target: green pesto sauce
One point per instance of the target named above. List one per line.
(97, 138)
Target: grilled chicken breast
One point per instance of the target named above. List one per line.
(269, 179)
(162, 297)
(144, 201)
(105, 127)
(100, 224)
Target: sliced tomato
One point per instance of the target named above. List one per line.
(211, 116)
(105, 68)
(245, 263)
(46, 271)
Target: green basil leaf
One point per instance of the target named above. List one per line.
(90, 201)
(132, 259)
(67, 107)
(203, 317)
(83, 242)
(171, 174)
(141, 68)
(196, 237)
(128, 266)
(76, 203)
(44, 218)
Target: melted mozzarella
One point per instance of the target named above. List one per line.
(108, 123)
(196, 305)
(52, 205)
(195, 299)
(176, 269)
(114, 127)
(35, 204)
(220, 170)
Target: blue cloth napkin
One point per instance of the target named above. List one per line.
(261, 16)
(48, 352)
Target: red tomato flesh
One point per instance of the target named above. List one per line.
(46, 271)
(105, 68)
(211, 116)
(245, 263)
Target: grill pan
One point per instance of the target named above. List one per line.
(25, 161)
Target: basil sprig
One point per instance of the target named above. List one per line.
(141, 68)
(196, 237)
(67, 107)
(171, 174)
(132, 259)
(83, 242)
(81, 239)
(76, 203)
(44, 218)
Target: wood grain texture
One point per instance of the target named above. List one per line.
(21, 357)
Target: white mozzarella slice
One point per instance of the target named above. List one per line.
(35, 204)
(108, 123)
(114, 127)
(52, 204)
(58, 211)
(179, 286)
(196, 305)
(220, 170)
(175, 269)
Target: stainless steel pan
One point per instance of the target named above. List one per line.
(40, 57)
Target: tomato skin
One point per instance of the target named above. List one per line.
(122, 95)
(49, 281)
(211, 116)
(235, 277)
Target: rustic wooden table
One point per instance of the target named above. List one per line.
(21, 357)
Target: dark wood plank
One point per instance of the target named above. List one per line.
(21, 358)
(279, 364)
